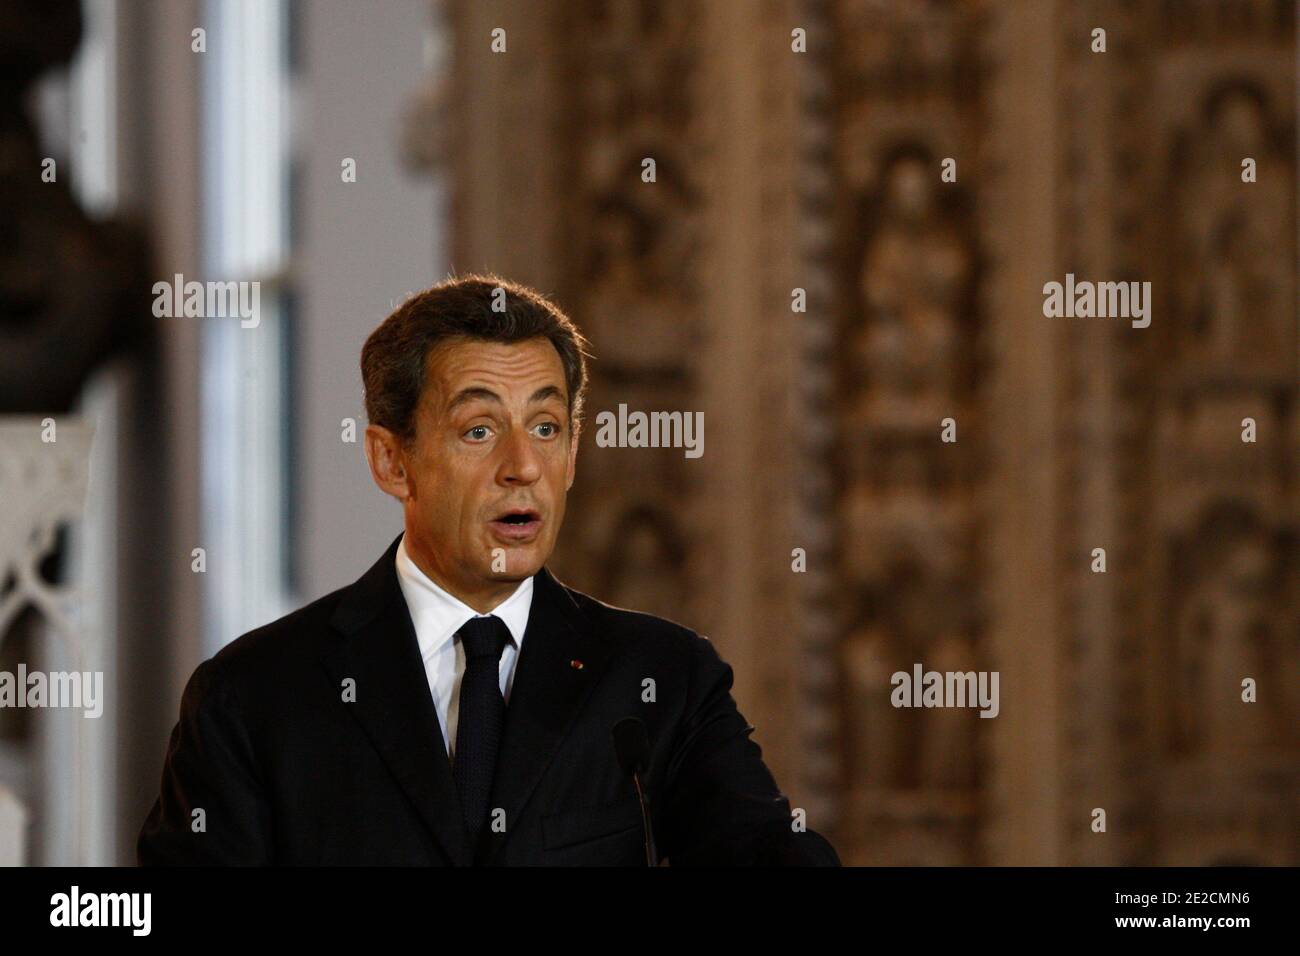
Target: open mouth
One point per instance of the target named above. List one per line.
(517, 524)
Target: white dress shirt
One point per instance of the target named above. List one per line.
(437, 617)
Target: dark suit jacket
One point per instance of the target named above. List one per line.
(288, 772)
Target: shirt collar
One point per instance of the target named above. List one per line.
(438, 615)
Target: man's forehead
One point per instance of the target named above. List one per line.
(465, 363)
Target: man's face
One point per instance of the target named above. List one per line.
(490, 465)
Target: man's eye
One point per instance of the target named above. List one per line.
(478, 432)
(554, 428)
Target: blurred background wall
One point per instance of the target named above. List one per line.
(801, 271)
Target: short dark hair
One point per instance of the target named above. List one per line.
(395, 356)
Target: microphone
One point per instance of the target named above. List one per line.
(632, 747)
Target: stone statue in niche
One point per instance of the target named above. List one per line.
(947, 756)
(1223, 636)
(875, 734)
(904, 522)
(1193, 639)
(912, 279)
(640, 57)
(73, 291)
(638, 269)
(644, 564)
(917, 614)
(1285, 644)
(621, 235)
(1240, 233)
(940, 609)
(636, 240)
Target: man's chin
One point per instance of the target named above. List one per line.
(515, 563)
(515, 574)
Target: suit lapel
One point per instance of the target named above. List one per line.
(548, 692)
(380, 652)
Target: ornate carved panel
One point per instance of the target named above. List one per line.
(630, 275)
(1222, 516)
(778, 171)
(908, 94)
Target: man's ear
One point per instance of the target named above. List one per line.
(388, 462)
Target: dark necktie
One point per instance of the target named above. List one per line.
(482, 714)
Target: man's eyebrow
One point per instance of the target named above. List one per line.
(487, 395)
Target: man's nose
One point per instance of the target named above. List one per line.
(520, 463)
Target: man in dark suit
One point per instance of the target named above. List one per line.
(455, 705)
